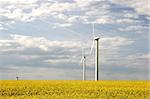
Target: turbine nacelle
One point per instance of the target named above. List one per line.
(96, 38)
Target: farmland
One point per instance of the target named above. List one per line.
(70, 89)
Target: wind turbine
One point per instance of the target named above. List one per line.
(96, 42)
(17, 78)
(83, 62)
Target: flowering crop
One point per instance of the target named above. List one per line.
(47, 89)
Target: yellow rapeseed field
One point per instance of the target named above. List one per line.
(49, 89)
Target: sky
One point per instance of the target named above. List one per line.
(44, 39)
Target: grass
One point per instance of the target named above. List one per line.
(70, 89)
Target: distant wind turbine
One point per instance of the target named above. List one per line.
(83, 62)
(17, 78)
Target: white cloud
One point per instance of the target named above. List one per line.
(28, 57)
(110, 48)
(26, 11)
(47, 9)
(104, 20)
(116, 41)
(136, 28)
(61, 25)
(43, 43)
(27, 41)
(131, 61)
(76, 18)
(61, 61)
(21, 42)
(141, 6)
(9, 45)
(139, 56)
(6, 42)
(1, 27)
(82, 3)
(136, 61)
(98, 11)
(131, 15)
(18, 1)
(125, 21)
(23, 11)
(148, 18)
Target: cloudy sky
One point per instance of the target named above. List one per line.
(43, 39)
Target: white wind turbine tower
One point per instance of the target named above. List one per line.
(96, 41)
(83, 62)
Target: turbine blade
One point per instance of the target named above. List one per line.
(92, 46)
(82, 51)
(93, 32)
(81, 60)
